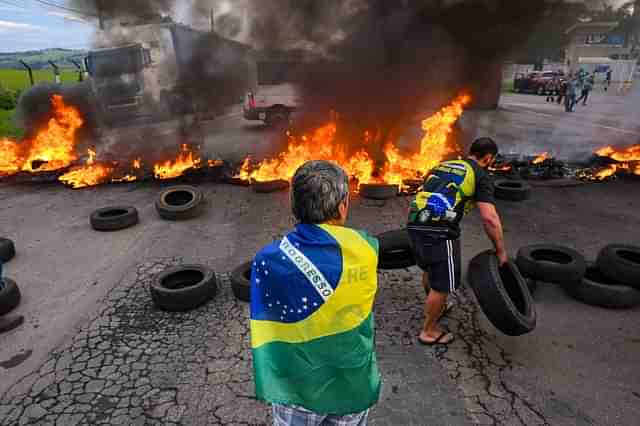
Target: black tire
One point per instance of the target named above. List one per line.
(621, 263)
(269, 186)
(395, 250)
(599, 290)
(180, 203)
(183, 288)
(551, 263)
(241, 282)
(7, 250)
(512, 190)
(378, 191)
(114, 218)
(9, 296)
(502, 294)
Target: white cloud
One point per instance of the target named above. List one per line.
(16, 26)
(67, 16)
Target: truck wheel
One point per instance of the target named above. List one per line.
(395, 250)
(598, 290)
(114, 218)
(621, 263)
(511, 190)
(551, 263)
(277, 117)
(379, 191)
(241, 282)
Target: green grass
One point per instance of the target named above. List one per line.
(7, 126)
(19, 79)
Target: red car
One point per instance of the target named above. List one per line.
(535, 82)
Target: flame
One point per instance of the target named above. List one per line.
(606, 172)
(52, 148)
(323, 145)
(541, 158)
(501, 168)
(137, 164)
(631, 153)
(171, 169)
(91, 174)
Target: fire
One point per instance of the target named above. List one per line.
(91, 174)
(631, 153)
(606, 172)
(52, 148)
(541, 158)
(171, 169)
(323, 145)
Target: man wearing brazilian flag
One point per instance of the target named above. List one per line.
(450, 191)
(312, 295)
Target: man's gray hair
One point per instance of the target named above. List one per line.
(317, 189)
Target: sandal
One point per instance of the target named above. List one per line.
(439, 340)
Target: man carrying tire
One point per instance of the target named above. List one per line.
(312, 295)
(450, 191)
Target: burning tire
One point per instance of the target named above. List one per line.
(502, 294)
(621, 263)
(378, 191)
(551, 263)
(512, 190)
(395, 250)
(7, 250)
(9, 296)
(114, 218)
(598, 290)
(183, 288)
(180, 203)
(241, 282)
(269, 186)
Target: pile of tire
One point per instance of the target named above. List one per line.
(512, 190)
(503, 294)
(612, 281)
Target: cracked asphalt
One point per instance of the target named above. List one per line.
(94, 349)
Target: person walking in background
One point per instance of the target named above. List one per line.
(562, 91)
(571, 95)
(586, 90)
(312, 296)
(552, 88)
(607, 81)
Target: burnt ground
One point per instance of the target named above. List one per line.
(94, 350)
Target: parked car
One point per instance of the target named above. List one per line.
(535, 82)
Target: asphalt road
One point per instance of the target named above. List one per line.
(85, 303)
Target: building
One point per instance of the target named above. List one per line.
(591, 42)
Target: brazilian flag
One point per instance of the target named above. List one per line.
(312, 327)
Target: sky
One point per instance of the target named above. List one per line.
(31, 25)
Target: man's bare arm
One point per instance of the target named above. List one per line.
(493, 228)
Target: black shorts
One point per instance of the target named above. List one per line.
(440, 258)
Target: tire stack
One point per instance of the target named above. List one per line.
(612, 281)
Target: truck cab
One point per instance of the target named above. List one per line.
(117, 80)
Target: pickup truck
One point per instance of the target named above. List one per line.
(535, 82)
(272, 104)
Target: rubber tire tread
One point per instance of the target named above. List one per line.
(511, 194)
(395, 250)
(183, 299)
(604, 295)
(270, 186)
(184, 212)
(9, 296)
(7, 250)
(379, 191)
(617, 268)
(240, 285)
(549, 271)
(484, 278)
(116, 223)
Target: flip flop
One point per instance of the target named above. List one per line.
(9, 322)
(439, 340)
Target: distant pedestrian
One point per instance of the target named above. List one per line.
(607, 81)
(562, 91)
(586, 89)
(552, 88)
(571, 95)
(312, 296)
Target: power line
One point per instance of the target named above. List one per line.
(68, 9)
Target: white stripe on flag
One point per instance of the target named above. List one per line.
(308, 269)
